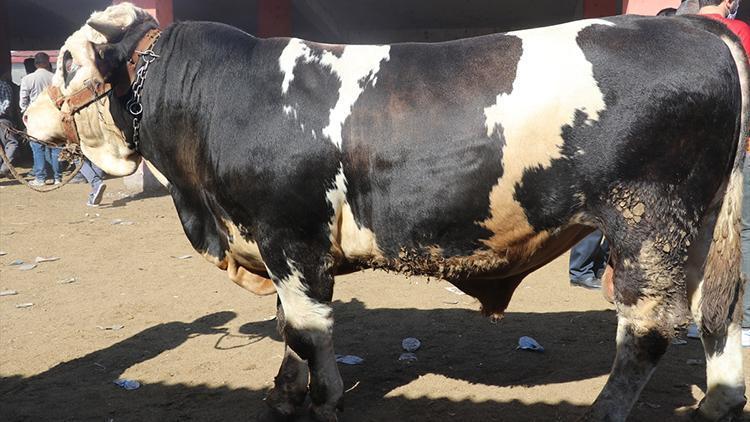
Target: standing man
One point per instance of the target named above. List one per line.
(8, 140)
(724, 11)
(32, 85)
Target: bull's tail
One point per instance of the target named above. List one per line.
(722, 285)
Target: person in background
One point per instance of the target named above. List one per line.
(688, 7)
(7, 138)
(587, 261)
(32, 85)
(724, 11)
(28, 65)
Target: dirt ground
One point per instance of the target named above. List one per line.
(205, 350)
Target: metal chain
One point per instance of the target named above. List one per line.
(134, 106)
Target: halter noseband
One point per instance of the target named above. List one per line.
(92, 90)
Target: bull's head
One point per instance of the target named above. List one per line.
(96, 52)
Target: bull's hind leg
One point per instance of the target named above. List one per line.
(725, 395)
(649, 257)
(305, 286)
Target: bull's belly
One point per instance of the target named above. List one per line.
(511, 249)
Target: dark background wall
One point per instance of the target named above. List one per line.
(44, 24)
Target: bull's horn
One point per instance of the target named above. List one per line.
(112, 32)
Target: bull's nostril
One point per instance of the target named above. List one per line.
(25, 119)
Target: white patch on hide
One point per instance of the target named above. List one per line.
(301, 311)
(346, 235)
(553, 81)
(357, 67)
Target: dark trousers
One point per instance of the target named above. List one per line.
(9, 144)
(588, 257)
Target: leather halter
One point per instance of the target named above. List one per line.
(94, 89)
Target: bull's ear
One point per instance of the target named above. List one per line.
(108, 58)
(113, 33)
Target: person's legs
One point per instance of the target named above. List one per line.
(582, 261)
(94, 175)
(9, 143)
(40, 171)
(53, 155)
(87, 171)
(601, 258)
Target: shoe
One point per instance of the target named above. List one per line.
(692, 331)
(57, 182)
(37, 183)
(96, 196)
(591, 283)
(746, 337)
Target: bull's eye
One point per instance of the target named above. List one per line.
(70, 66)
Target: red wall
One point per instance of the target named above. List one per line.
(647, 7)
(599, 8)
(274, 18)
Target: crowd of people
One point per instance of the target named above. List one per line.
(46, 160)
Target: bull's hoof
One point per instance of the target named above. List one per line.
(285, 403)
(323, 413)
(734, 414)
(268, 414)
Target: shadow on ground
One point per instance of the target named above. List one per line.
(457, 344)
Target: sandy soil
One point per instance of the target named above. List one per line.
(204, 349)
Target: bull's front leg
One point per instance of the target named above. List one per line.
(305, 287)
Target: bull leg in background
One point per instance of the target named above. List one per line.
(650, 298)
(304, 284)
(290, 384)
(725, 395)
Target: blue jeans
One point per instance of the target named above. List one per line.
(588, 257)
(93, 174)
(43, 155)
(745, 235)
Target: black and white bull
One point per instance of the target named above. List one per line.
(476, 161)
